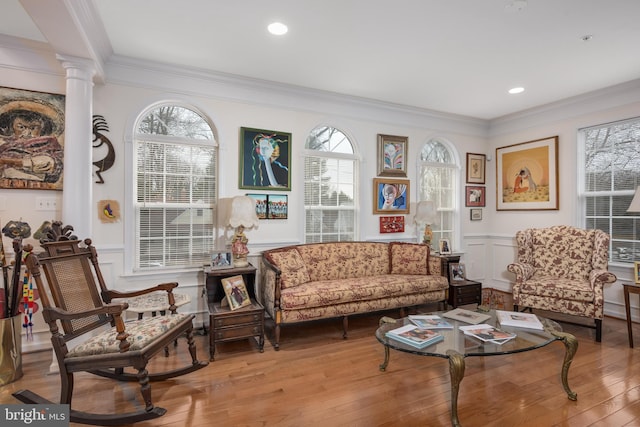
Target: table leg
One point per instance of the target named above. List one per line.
(456, 371)
(627, 307)
(384, 364)
(571, 345)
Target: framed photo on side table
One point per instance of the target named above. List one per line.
(456, 271)
(221, 260)
(476, 165)
(636, 271)
(444, 246)
(392, 155)
(236, 292)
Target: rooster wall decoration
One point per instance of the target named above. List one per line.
(100, 124)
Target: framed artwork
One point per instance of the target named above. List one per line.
(271, 206)
(527, 176)
(457, 271)
(474, 196)
(392, 224)
(476, 214)
(636, 271)
(221, 260)
(476, 165)
(236, 292)
(444, 247)
(392, 155)
(31, 139)
(390, 196)
(265, 159)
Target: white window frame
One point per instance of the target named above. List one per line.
(129, 219)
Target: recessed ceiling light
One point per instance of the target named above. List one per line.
(515, 90)
(277, 28)
(586, 37)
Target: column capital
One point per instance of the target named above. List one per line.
(76, 67)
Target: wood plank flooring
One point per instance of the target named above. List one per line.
(319, 379)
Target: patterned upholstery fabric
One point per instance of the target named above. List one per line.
(562, 269)
(294, 270)
(141, 333)
(407, 258)
(350, 278)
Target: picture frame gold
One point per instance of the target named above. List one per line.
(476, 168)
(392, 155)
(236, 292)
(527, 175)
(444, 247)
(636, 271)
(391, 196)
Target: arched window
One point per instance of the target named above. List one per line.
(437, 181)
(330, 185)
(174, 188)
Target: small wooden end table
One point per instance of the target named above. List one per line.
(462, 292)
(231, 325)
(629, 289)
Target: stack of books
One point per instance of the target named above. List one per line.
(488, 333)
(429, 321)
(415, 336)
(519, 320)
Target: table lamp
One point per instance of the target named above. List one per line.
(425, 216)
(243, 217)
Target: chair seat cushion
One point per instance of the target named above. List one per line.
(141, 333)
(558, 287)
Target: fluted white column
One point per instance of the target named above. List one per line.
(77, 202)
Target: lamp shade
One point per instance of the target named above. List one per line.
(425, 212)
(243, 212)
(635, 202)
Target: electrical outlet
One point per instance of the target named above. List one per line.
(46, 204)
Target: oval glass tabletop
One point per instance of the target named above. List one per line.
(455, 339)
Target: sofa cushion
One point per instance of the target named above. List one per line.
(345, 260)
(409, 258)
(293, 269)
(372, 288)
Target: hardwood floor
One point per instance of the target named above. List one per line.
(317, 378)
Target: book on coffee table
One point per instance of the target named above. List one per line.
(429, 321)
(519, 320)
(466, 316)
(488, 333)
(414, 336)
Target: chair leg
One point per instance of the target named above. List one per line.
(345, 326)
(66, 388)
(598, 330)
(145, 388)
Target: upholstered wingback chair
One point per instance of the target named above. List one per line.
(562, 269)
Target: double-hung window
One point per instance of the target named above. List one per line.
(330, 185)
(175, 188)
(611, 173)
(437, 181)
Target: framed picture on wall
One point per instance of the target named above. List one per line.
(527, 175)
(265, 159)
(390, 196)
(474, 196)
(392, 155)
(476, 164)
(476, 214)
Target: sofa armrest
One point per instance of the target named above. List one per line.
(521, 270)
(435, 265)
(271, 288)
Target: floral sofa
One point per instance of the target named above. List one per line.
(562, 269)
(326, 280)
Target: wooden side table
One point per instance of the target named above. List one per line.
(462, 292)
(629, 289)
(230, 325)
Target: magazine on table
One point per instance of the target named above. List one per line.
(466, 316)
(412, 335)
(429, 321)
(488, 333)
(520, 320)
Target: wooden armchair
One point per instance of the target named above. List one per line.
(562, 269)
(71, 299)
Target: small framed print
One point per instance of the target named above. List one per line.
(476, 214)
(474, 196)
(444, 246)
(220, 260)
(392, 155)
(392, 224)
(476, 164)
(636, 271)
(391, 196)
(236, 292)
(456, 271)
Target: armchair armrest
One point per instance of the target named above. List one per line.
(521, 270)
(111, 294)
(54, 313)
(601, 276)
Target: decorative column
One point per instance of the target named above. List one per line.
(77, 201)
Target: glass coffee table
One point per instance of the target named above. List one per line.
(457, 346)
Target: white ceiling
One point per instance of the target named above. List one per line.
(453, 56)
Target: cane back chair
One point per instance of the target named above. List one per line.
(72, 299)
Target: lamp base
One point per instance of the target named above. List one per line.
(240, 262)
